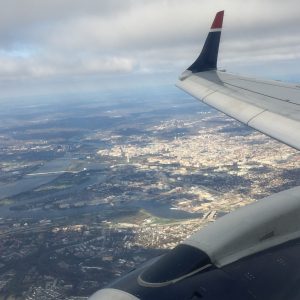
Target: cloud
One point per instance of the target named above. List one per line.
(50, 65)
(74, 37)
(17, 14)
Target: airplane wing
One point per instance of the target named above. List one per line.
(253, 252)
(271, 107)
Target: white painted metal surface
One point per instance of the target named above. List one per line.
(259, 226)
(269, 106)
(112, 294)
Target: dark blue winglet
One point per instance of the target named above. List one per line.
(208, 58)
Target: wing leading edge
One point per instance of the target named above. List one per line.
(271, 107)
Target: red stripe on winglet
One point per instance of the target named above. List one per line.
(218, 21)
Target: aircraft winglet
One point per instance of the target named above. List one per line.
(208, 58)
(218, 21)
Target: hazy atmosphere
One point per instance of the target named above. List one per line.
(73, 45)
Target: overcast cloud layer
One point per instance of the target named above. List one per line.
(50, 39)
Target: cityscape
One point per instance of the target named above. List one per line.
(92, 187)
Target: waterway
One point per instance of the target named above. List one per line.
(165, 211)
(50, 171)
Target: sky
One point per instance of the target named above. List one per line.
(69, 46)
